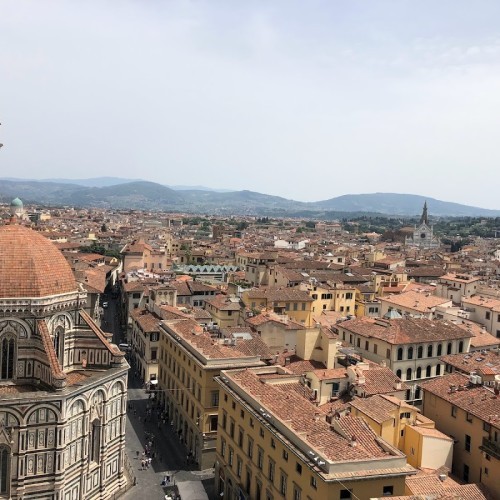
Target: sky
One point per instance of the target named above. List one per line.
(302, 99)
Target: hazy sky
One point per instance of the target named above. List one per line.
(302, 99)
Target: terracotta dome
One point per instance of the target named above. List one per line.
(31, 265)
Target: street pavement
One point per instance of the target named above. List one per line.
(170, 454)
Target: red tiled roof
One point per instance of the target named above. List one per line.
(31, 265)
(475, 399)
(405, 331)
(299, 413)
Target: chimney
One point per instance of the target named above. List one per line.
(353, 441)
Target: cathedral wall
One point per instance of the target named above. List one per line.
(69, 447)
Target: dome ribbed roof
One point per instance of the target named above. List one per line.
(31, 265)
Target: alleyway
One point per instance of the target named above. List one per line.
(169, 454)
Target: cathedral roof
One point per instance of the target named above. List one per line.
(31, 265)
(16, 202)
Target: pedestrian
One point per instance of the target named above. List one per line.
(149, 461)
(142, 464)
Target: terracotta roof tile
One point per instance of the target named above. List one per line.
(31, 265)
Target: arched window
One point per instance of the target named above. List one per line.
(428, 371)
(398, 373)
(59, 343)
(420, 351)
(419, 372)
(461, 346)
(400, 354)
(438, 369)
(7, 355)
(95, 441)
(429, 351)
(408, 374)
(448, 348)
(4, 469)
(410, 352)
(440, 349)
(417, 393)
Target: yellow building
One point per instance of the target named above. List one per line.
(291, 302)
(145, 336)
(189, 360)
(402, 425)
(273, 442)
(276, 331)
(224, 310)
(366, 302)
(337, 297)
(470, 413)
(256, 265)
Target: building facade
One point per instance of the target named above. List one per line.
(275, 443)
(423, 235)
(411, 347)
(62, 383)
(189, 360)
(468, 411)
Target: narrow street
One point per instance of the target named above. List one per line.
(169, 456)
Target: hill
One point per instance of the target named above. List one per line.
(146, 195)
(402, 204)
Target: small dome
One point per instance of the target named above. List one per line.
(16, 202)
(31, 265)
(392, 314)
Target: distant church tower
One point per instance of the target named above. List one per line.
(423, 234)
(17, 209)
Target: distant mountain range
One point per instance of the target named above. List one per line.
(109, 181)
(111, 192)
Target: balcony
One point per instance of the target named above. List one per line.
(491, 448)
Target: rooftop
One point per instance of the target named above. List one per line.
(31, 265)
(405, 331)
(477, 400)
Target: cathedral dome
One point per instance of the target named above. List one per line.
(16, 202)
(31, 265)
